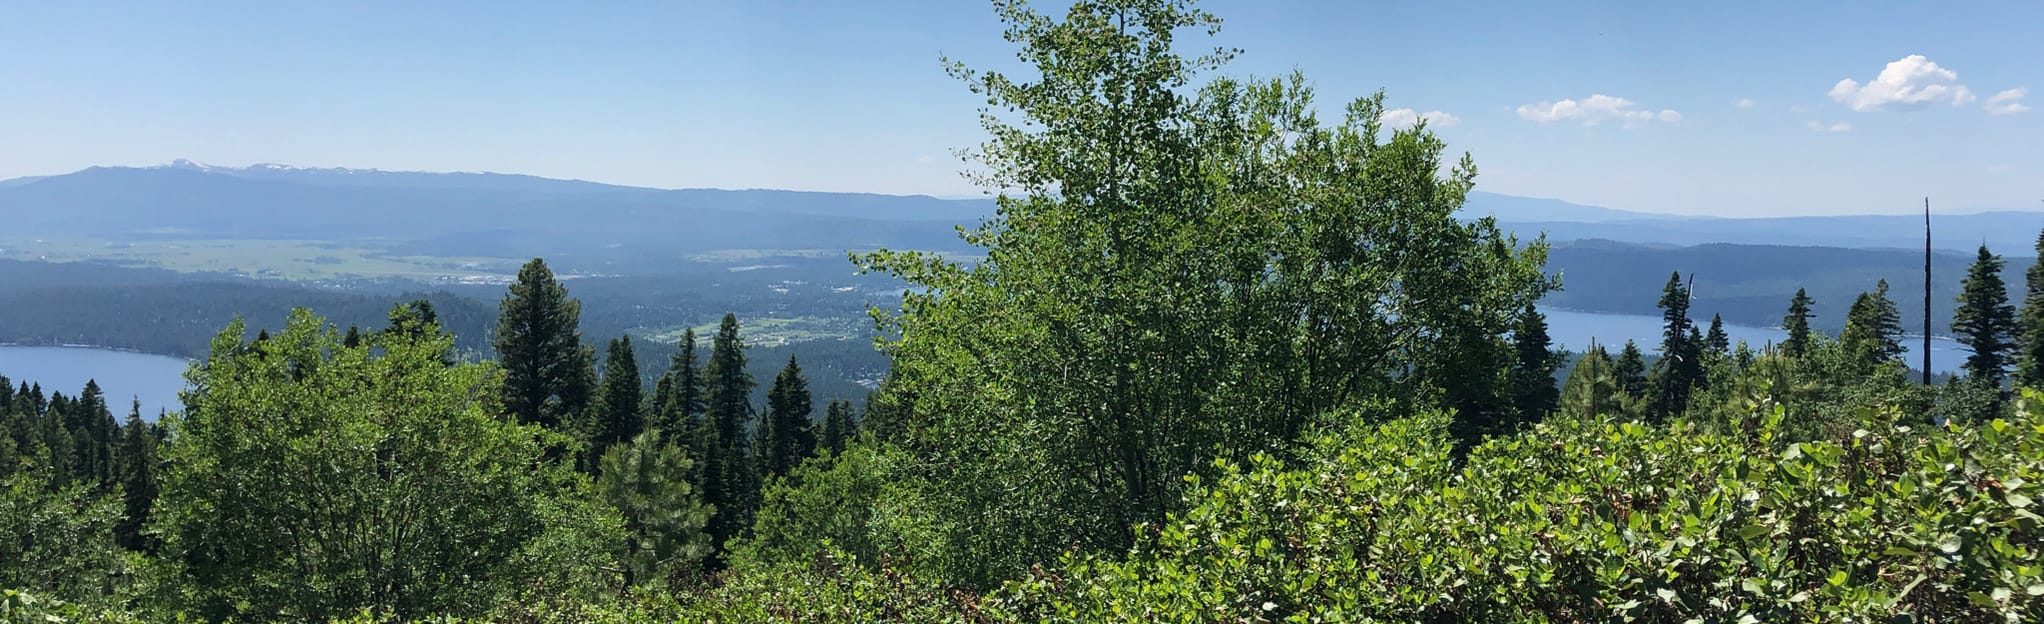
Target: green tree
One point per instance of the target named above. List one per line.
(2030, 358)
(619, 400)
(679, 412)
(840, 426)
(137, 469)
(1717, 345)
(1985, 322)
(646, 480)
(1631, 370)
(549, 374)
(1681, 365)
(1797, 325)
(1178, 273)
(307, 480)
(1534, 393)
(59, 540)
(1873, 329)
(1594, 388)
(727, 477)
(786, 435)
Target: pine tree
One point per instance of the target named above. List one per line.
(354, 337)
(1593, 388)
(619, 400)
(549, 374)
(1985, 322)
(839, 426)
(1797, 325)
(137, 474)
(1631, 370)
(679, 410)
(1873, 329)
(1676, 373)
(786, 436)
(729, 481)
(646, 479)
(1532, 375)
(1716, 344)
(2030, 359)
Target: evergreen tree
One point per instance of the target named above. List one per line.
(548, 373)
(646, 479)
(1985, 322)
(1534, 393)
(727, 477)
(354, 337)
(618, 402)
(682, 406)
(1797, 325)
(1631, 370)
(1873, 329)
(138, 481)
(2030, 359)
(1594, 388)
(786, 436)
(1716, 344)
(839, 426)
(1680, 367)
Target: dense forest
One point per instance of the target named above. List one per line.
(1223, 360)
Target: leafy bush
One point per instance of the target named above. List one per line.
(1584, 519)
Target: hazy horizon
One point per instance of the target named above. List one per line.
(1810, 109)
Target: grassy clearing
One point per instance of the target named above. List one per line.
(767, 332)
(279, 259)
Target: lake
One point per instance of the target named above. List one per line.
(156, 379)
(122, 375)
(1573, 330)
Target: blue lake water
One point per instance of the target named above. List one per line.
(1573, 330)
(124, 376)
(156, 379)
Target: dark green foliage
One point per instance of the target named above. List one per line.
(1797, 325)
(1631, 371)
(1716, 344)
(136, 466)
(2030, 327)
(619, 414)
(1534, 393)
(1680, 368)
(646, 480)
(1985, 322)
(727, 478)
(1873, 329)
(549, 374)
(840, 426)
(786, 435)
(678, 407)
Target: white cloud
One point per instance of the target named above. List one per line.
(1913, 82)
(1997, 169)
(925, 159)
(1818, 126)
(2007, 102)
(1799, 109)
(1595, 109)
(1406, 118)
(1744, 103)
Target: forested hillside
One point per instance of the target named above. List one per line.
(1224, 354)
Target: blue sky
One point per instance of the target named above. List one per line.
(1728, 108)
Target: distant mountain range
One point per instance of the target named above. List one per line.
(520, 215)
